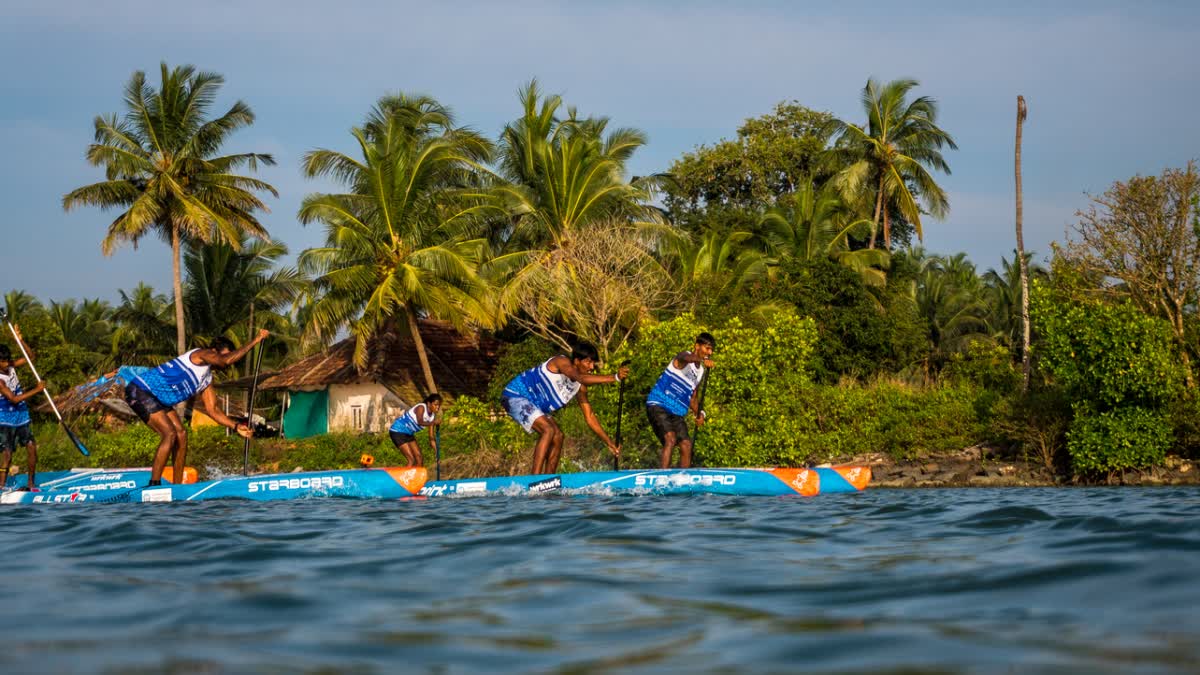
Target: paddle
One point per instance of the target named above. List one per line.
(699, 407)
(250, 411)
(437, 472)
(70, 434)
(620, 409)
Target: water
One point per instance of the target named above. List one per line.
(1097, 580)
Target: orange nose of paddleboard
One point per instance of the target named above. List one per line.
(413, 478)
(189, 475)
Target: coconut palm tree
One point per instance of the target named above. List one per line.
(18, 303)
(233, 291)
(892, 156)
(817, 224)
(86, 325)
(1004, 298)
(561, 175)
(143, 327)
(1025, 332)
(163, 170)
(399, 242)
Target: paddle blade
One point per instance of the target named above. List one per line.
(78, 443)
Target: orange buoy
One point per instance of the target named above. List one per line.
(189, 475)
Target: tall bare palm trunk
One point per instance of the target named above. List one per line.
(1024, 266)
(180, 335)
(878, 209)
(420, 346)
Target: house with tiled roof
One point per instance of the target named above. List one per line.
(326, 391)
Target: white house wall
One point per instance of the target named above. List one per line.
(365, 407)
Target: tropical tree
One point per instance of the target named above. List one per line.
(892, 154)
(817, 224)
(1021, 258)
(599, 289)
(19, 303)
(772, 157)
(1003, 292)
(144, 326)
(399, 242)
(560, 176)
(233, 291)
(949, 301)
(87, 325)
(163, 170)
(715, 264)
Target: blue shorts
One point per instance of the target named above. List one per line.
(521, 409)
(15, 438)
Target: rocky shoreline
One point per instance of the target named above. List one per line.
(988, 466)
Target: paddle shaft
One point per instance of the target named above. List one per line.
(620, 410)
(437, 452)
(699, 407)
(250, 411)
(53, 406)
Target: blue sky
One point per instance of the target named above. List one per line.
(1112, 91)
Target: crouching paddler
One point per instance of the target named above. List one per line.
(532, 396)
(154, 393)
(403, 431)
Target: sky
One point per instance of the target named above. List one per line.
(1112, 91)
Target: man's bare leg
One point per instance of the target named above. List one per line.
(32, 471)
(545, 428)
(556, 444)
(685, 453)
(664, 459)
(180, 445)
(166, 441)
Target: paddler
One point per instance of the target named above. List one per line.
(14, 416)
(675, 395)
(403, 431)
(153, 394)
(532, 396)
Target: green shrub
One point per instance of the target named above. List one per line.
(1128, 437)
(1105, 354)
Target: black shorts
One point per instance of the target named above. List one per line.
(143, 403)
(662, 421)
(399, 439)
(15, 438)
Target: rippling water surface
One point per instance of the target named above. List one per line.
(1098, 580)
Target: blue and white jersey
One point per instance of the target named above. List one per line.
(176, 380)
(412, 421)
(12, 414)
(674, 388)
(548, 391)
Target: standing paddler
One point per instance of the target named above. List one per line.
(532, 396)
(14, 416)
(675, 394)
(404, 430)
(153, 394)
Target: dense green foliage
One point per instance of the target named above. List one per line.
(1125, 437)
(1120, 368)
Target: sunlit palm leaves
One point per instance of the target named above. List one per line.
(561, 173)
(163, 172)
(816, 225)
(227, 287)
(402, 239)
(892, 154)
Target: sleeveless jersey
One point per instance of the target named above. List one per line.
(674, 388)
(176, 380)
(408, 422)
(548, 391)
(13, 414)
